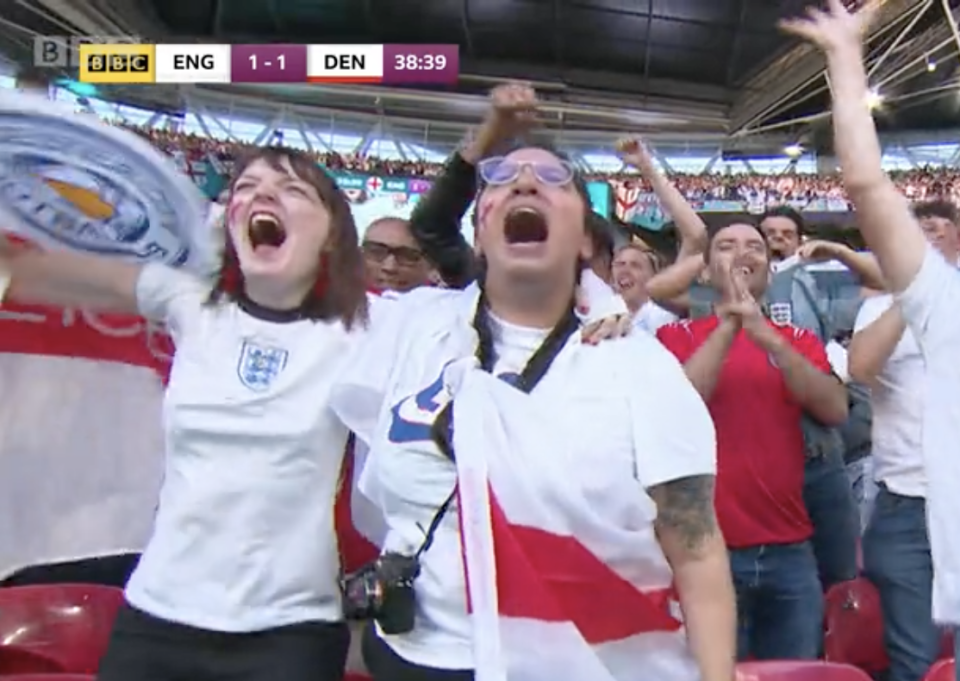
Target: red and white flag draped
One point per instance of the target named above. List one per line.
(559, 587)
(81, 444)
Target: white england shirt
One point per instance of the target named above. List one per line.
(244, 533)
(621, 404)
(929, 306)
(897, 403)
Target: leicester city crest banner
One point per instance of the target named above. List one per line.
(68, 180)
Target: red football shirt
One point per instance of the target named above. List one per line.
(760, 446)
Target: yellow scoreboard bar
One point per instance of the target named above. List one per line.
(118, 64)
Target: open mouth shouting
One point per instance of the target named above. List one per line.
(525, 226)
(266, 234)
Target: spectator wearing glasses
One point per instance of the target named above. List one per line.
(392, 259)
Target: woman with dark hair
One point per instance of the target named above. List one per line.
(239, 580)
(512, 517)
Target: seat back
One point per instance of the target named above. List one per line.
(799, 670)
(854, 626)
(50, 677)
(942, 670)
(67, 623)
(16, 660)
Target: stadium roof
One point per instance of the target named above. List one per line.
(678, 70)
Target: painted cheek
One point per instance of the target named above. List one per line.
(483, 211)
(234, 207)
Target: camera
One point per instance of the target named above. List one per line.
(383, 591)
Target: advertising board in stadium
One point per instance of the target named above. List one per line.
(372, 197)
(636, 207)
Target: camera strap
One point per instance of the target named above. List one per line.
(534, 371)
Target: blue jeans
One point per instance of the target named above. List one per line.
(896, 558)
(864, 488)
(835, 518)
(779, 602)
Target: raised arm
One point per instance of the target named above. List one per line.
(883, 214)
(692, 229)
(435, 222)
(66, 279)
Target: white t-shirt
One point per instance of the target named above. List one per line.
(651, 317)
(930, 308)
(897, 402)
(837, 356)
(244, 534)
(594, 392)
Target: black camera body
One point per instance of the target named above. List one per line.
(383, 591)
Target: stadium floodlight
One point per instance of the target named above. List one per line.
(874, 99)
(793, 150)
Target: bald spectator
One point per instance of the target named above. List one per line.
(393, 260)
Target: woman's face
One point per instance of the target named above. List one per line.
(531, 216)
(278, 223)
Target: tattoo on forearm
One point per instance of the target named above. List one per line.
(685, 508)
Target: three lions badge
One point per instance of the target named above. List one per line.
(68, 180)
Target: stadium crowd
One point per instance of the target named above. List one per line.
(791, 479)
(920, 184)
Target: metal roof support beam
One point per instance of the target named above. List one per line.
(465, 25)
(951, 21)
(787, 75)
(900, 38)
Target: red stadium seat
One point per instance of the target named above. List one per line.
(946, 645)
(943, 670)
(67, 623)
(854, 626)
(799, 670)
(50, 677)
(16, 660)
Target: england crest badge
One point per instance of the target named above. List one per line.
(69, 180)
(259, 365)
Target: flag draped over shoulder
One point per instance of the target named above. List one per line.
(559, 586)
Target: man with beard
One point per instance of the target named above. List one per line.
(759, 380)
(391, 257)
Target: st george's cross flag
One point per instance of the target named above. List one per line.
(557, 587)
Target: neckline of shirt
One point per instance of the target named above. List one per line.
(269, 314)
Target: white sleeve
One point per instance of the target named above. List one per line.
(367, 370)
(170, 296)
(673, 433)
(602, 300)
(929, 304)
(870, 311)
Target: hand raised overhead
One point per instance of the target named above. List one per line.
(834, 29)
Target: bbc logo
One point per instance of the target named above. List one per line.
(64, 51)
(117, 64)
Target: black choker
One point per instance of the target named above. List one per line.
(269, 314)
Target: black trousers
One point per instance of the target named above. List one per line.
(104, 571)
(146, 648)
(385, 665)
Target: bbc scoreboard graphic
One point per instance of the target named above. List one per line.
(122, 62)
